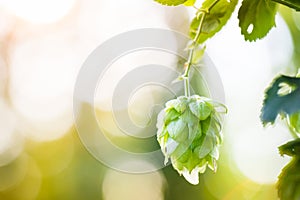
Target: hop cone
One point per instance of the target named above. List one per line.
(289, 180)
(189, 133)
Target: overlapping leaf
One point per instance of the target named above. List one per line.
(289, 180)
(276, 103)
(291, 148)
(295, 4)
(256, 18)
(214, 20)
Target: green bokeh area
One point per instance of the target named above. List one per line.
(63, 169)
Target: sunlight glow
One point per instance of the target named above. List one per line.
(43, 73)
(256, 155)
(118, 185)
(39, 11)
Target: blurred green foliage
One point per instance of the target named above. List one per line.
(64, 170)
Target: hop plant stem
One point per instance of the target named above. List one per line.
(200, 14)
(189, 127)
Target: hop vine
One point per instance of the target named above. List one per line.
(189, 127)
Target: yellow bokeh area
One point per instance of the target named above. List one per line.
(43, 44)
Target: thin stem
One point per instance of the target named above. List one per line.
(201, 14)
(191, 51)
(187, 92)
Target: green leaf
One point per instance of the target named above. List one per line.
(291, 148)
(256, 18)
(189, 2)
(211, 23)
(295, 4)
(171, 2)
(214, 20)
(289, 181)
(276, 103)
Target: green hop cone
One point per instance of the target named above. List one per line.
(189, 133)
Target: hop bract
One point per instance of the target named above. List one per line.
(189, 133)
